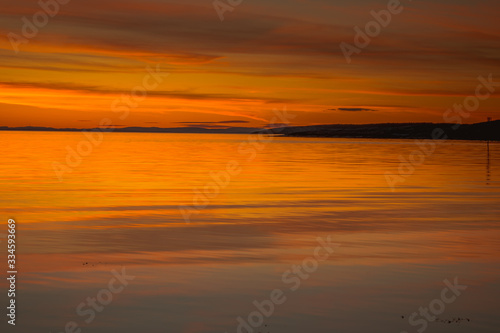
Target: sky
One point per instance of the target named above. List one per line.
(86, 61)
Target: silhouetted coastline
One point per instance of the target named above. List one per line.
(488, 131)
(478, 131)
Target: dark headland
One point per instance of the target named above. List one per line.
(480, 131)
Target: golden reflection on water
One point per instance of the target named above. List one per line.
(120, 207)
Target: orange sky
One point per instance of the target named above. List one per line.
(265, 55)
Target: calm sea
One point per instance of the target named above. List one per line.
(207, 228)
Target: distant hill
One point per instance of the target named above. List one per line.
(193, 130)
(479, 131)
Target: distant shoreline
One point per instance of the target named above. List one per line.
(174, 130)
(485, 131)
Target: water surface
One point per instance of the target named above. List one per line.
(119, 209)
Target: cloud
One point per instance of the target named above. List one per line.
(177, 94)
(352, 109)
(191, 34)
(214, 122)
(233, 122)
(436, 51)
(277, 125)
(207, 126)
